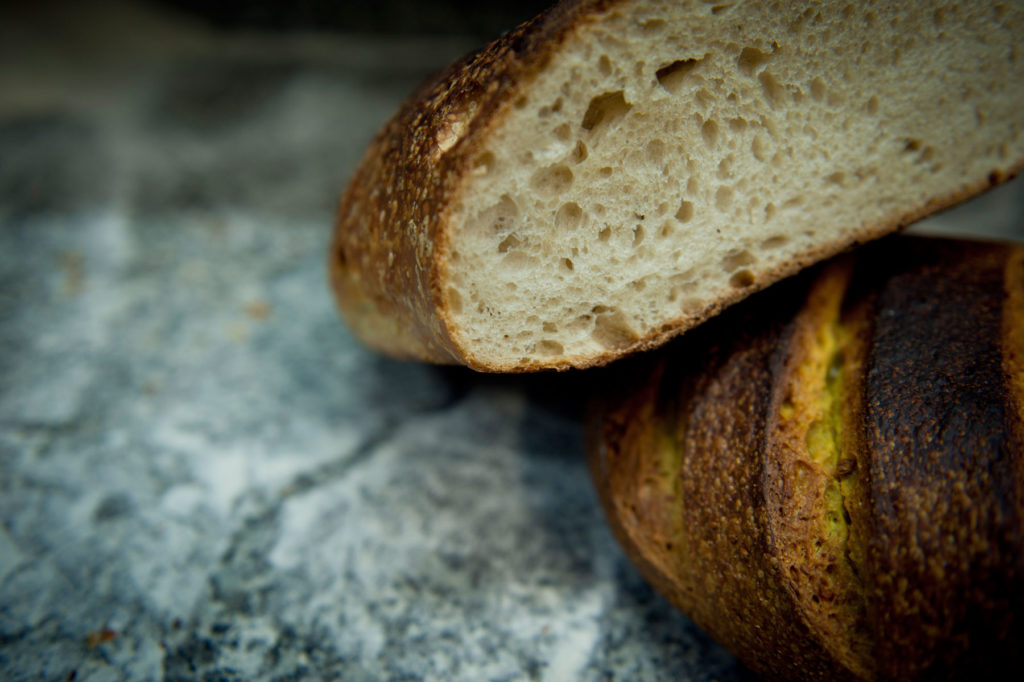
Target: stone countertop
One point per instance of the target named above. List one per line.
(202, 474)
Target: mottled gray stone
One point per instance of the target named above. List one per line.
(195, 455)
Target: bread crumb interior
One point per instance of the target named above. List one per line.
(673, 156)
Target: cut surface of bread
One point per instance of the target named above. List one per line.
(829, 477)
(612, 173)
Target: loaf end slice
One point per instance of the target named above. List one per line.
(613, 173)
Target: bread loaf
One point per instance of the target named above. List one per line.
(614, 172)
(829, 477)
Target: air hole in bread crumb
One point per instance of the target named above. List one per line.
(550, 327)
(692, 186)
(652, 26)
(774, 92)
(665, 231)
(499, 218)
(837, 178)
(684, 279)
(737, 258)
(612, 331)
(818, 89)
(685, 212)
(567, 264)
(516, 260)
(912, 145)
(742, 279)
(638, 236)
(605, 172)
(604, 235)
(758, 148)
(604, 65)
(872, 105)
(671, 77)
(484, 163)
(684, 288)
(775, 242)
(552, 180)
(751, 60)
(579, 152)
(508, 243)
(605, 109)
(554, 108)
(569, 216)
(721, 9)
(563, 132)
(705, 98)
(638, 284)
(769, 211)
(548, 347)
(737, 125)
(709, 131)
(655, 152)
(725, 167)
(723, 198)
(580, 323)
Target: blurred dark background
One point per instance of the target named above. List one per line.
(408, 17)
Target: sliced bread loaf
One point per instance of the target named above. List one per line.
(612, 173)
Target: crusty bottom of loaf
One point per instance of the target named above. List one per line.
(673, 157)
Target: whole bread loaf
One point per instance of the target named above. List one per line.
(829, 477)
(614, 172)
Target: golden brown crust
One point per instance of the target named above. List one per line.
(810, 467)
(679, 468)
(714, 477)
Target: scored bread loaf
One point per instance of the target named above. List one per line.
(614, 172)
(829, 477)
